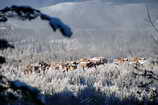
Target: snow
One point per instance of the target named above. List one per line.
(67, 6)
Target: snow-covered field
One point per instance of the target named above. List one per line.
(109, 84)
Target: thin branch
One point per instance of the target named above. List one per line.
(150, 20)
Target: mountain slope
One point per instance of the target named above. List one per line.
(100, 28)
(105, 26)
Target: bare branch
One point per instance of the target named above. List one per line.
(150, 20)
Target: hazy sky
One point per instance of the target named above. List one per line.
(41, 3)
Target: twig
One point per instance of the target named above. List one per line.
(152, 24)
(150, 20)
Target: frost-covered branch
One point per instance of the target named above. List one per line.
(29, 13)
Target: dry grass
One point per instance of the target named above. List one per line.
(110, 84)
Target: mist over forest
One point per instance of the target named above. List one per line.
(100, 27)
